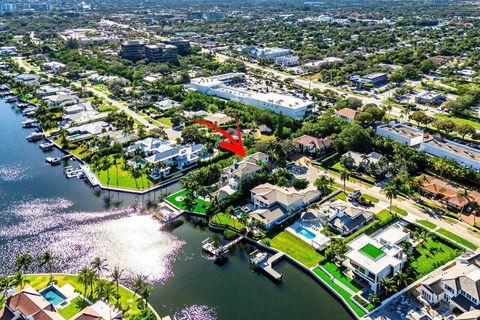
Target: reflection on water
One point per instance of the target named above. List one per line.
(196, 312)
(13, 173)
(124, 237)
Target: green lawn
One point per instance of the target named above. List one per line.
(127, 300)
(427, 224)
(431, 255)
(199, 207)
(340, 276)
(341, 196)
(224, 219)
(371, 251)
(165, 121)
(344, 294)
(458, 120)
(74, 307)
(123, 179)
(400, 211)
(296, 248)
(370, 198)
(457, 239)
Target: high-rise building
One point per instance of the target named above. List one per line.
(215, 15)
(133, 50)
(183, 46)
(41, 6)
(161, 52)
(194, 15)
(7, 7)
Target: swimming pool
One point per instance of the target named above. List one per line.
(304, 232)
(52, 295)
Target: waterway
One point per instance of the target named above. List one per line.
(41, 210)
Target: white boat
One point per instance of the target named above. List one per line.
(35, 136)
(46, 146)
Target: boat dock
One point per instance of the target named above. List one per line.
(261, 260)
(218, 252)
(90, 175)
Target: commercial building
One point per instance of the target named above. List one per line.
(462, 154)
(373, 79)
(41, 6)
(219, 86)
(7, 8)
(183, 45)
(133, 50)
(161, 52)
(287, 61)
(215, 15)
(271, 53)
(401, 133)
(429, 97)
(374, 259)
(194, 15)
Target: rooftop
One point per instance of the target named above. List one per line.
(372, 252)
(456, 148)
(402, 129)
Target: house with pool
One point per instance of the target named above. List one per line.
(374, 258)
(273, 204)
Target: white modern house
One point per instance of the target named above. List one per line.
(401, 133)
(377, 258)
(218, 86)
(429, 97)
(462, 154)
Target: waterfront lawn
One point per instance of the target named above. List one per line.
(226, 220)
(127, 299)
(340, 276)
(457, 239)
(427, 224)
(432, 254)
(296, 248)
(344, 294)
(123, 179)
(74, 307)
(176, 199)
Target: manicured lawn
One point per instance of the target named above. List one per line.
(427, 224)
(340, 276)
(383, 215)
(370, 198)
(457, 120)
(296, 248)
(165, 121)
(176, 199)
(457, 239)
(224, 219)
(344, 294)
(127, 300)
(123, 179)
(341, 196)
(400, 211)
(74, 307)
(337, 166)
(431, 255)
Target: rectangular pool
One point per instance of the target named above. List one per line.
(304, 232)
(52, 295)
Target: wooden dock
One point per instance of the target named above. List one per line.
(219, 252)
(266, 264)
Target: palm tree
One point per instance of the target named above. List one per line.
(138, 284)
(374, 299)
(47, 259)
(23, 262)
(84, 279)
(389, 285)
(391, 191)
(146, 292)
(402, 279)
(324, 183)
(5, 284)
(116, 161)
(345, 176)
(464, 194)
(19, 279)
(116, 277)
(99, 265)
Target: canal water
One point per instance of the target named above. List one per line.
(42, 210)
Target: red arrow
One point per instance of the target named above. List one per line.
(235, 146)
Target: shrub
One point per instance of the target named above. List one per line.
(300, 183)
(229, 234)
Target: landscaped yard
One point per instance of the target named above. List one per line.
(340, 276)
(177, 200)
(74, 307)
(427, 224)
(165, 121)
(127, 300)
(344, 294)
(431, 255)
(457, 239)
(224, 219)
(123, 179)
(400, 211)
(370, 198)
(296, 248)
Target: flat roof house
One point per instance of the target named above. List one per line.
(347, 114)
(429, 97)
(462, 154)
(377, 258)
(269, 200)
(401, 133)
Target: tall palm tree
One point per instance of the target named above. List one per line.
(345, 176)
(5, 283)
(46, 259)
(84, 279)
(99, 265)
(116, 161)
(389, 285)
(391, 191)
(137, 284)
(146, 292)
(116, 277)
(464, 194)
(23, 262)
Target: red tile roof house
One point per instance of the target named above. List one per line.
(313, 145)
(347, 114)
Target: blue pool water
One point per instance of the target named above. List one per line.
(53, 296)
(304, 232)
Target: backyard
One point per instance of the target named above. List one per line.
(177, 199)
(431, 255)
(226, 220)
(124, 178)
(340, 276)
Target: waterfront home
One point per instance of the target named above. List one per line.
(345, 218)
(148, 146)
(29, 304)
(347, 114)
(313, 145)
(275, 204)
(457, 286)
(28, 79)
(80, 113)
(232, 175)
(460, 153)
(61, 99)
(401, 133)
(448, 193)
(87, 130)
(372, 259)
(49, 90)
